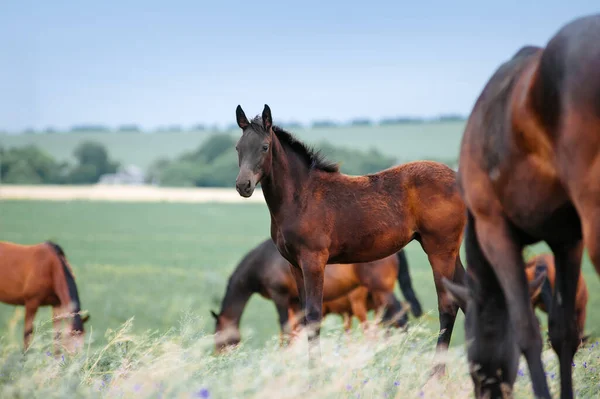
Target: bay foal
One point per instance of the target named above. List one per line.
(321, 216)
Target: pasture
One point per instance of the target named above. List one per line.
(407, 142)
(150, 272)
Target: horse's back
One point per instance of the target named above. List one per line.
(569, 82)
(25, 271)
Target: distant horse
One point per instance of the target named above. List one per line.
(529, 171)
(39, 275)
(321, 216)
(356, 303)
(264, 271)
(544, 263)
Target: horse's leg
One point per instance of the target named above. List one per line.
(394, 313)
(564, 334)
(443, 264)
(31, 308)
(56, 324)
(299, 278)
(359, 309)
(313, 267)
(347, 321)
(406, 287)
(282, 305)
(496, 238)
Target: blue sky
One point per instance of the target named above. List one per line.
(185, 62)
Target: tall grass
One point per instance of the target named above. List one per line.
(180, 364)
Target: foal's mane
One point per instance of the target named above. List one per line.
(313, 158)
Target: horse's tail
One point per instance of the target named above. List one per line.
(541, 266)
(406, 285)
(65, 287)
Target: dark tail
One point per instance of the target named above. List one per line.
(72, 287)
(546, 292)
(406, 284)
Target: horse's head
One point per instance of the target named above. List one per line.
(493, 367)
(227, 332)
(75, 334)
(254, 150)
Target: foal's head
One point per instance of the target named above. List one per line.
(254, 150)
(492, 348)
(74, 334)
(227, 332)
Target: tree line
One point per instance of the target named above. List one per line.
(214, 163)
(317, 124)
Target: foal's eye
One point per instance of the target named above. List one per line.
(265, 147)
(237, 149)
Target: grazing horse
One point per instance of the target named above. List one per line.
(264, 271)
(529, 171)
(321, 216)
(39, 275)
(357, 303)
(544, 263)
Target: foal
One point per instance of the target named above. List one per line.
(39, 275)
(321, 216)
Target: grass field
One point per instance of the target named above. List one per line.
(406, 142)
(166, 265)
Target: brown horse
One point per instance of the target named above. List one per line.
(264, 271)
(356, 303)
(321, 216)
(529, 171)
(39, 275)
(544, 263)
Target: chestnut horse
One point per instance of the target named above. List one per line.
(264, 271)
(356, 303)
(321, 216)
(39, 275)
(544, 263)
(529, 171)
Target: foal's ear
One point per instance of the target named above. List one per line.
(216, 316)
(535, 286)
(242, 121)
(459, 293)
(267, 119)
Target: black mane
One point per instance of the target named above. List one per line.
(314, 158)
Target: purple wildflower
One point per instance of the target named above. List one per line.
(421, 394)
(203, 393)
(552, 375)
(521, 373)
(348, 387)
(137, 387)
(63, 358)
(573, 364)
(365, 381)
(397, 383)
(48, 353)
(585, 365)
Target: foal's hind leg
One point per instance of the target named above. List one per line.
(564, 334)
(497, 240)
(31, 308)
(443, 265)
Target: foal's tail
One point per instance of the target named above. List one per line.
(65, 287)
(406, 285)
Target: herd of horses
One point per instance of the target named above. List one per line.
(529, 171)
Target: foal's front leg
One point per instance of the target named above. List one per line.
(313, 267)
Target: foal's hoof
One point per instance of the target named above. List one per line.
(439, 370)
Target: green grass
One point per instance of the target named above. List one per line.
(166, 265)
(406, 142)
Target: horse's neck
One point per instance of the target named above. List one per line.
(235, 301)
(288, 174)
